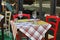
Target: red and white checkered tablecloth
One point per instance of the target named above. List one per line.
(1, 17)
(35, 32)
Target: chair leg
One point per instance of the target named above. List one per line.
(55, 36)
(18, 37)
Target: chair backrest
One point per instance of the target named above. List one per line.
(7, 16)
(7, 19)
(18, 37)
(54, 22)
(25, 15)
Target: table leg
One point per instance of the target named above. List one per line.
(46, 36)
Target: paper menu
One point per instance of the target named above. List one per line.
(24, 24)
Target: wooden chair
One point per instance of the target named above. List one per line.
(20, 35)
(54, 27)
(7, 21)
(25, 15)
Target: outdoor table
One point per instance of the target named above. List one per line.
(32, 28)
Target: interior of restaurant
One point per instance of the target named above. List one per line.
(29, 19)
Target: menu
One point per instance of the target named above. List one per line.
(24, 24)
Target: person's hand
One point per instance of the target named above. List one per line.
(13, 4)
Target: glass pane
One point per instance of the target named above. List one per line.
(46, 6)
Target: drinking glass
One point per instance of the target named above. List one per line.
(20, 14)
(34, 16)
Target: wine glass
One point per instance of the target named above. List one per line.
(20, 14)
(34, 16)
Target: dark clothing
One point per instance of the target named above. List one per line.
(0, 2)
(20, 5)
(0, 6)
(28, 2)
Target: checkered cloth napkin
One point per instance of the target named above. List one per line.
(35, 32)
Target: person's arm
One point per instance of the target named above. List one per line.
(13, 4)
